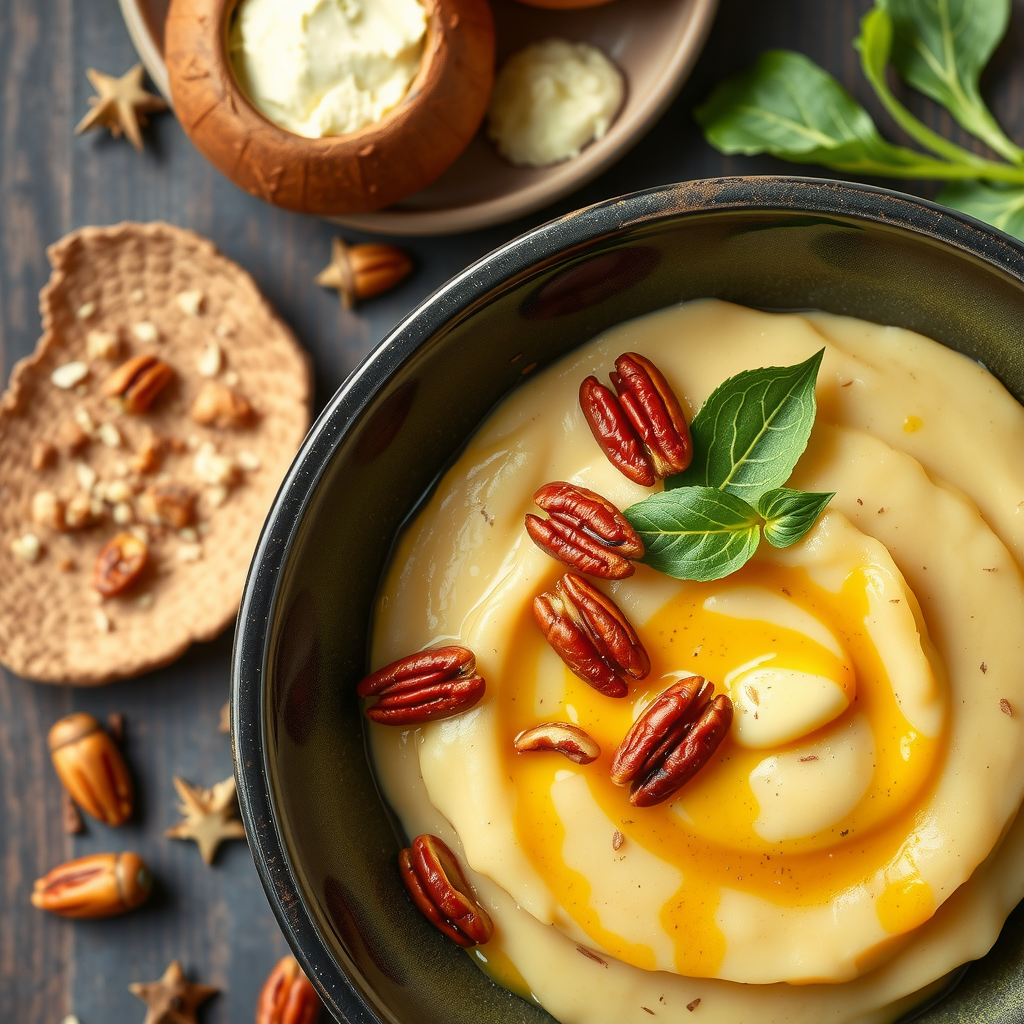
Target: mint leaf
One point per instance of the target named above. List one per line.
(789, 107)
(695, 533)
(751, 431)
(941, 47)
(999, 205)
(789, 514)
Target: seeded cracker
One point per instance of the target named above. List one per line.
(48, 612)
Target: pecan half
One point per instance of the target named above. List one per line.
(91, 767)
(642, 430)
(101, 885)
(591, 635)
(585, 531)
(287, 997)
(119, 564)
(440, 890)
(671, 741)
(561, 737)
(138, 381)
(424, 687)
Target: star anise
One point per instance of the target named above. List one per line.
(171, 999)
(121, 105)
(210, 816)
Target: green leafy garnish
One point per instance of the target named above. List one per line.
(747, 437)
(789, 107)
(789, 514)
(750, 432)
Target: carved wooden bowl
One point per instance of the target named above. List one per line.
(365, 170)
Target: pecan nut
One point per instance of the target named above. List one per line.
(91, 767)
(671, 741)
(439, 888)
(287, 997)
(591, 635)
(167, 504)
(119, 564)
(585, 531)
(138, 381)
(569, 740)
(423, 687)
(642, 429)
(100, 885)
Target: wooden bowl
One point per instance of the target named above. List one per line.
(345, 174)
(654, 42)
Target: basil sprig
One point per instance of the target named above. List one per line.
(789, 107)
(747, 437)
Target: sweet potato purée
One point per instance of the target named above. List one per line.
(853, 840)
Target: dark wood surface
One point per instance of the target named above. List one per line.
(216, 920)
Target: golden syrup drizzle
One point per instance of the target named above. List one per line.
(707, 831)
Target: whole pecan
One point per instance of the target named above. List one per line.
(440, 890)
(569, 740)
(287, 997)
(671, 741)
(100, 885)
(642, 430)
(591, 635)
(91, 767)
(119, 564)
(138, 381)
(423, 687)
(585, 531)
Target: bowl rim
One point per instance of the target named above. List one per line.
(520, 256)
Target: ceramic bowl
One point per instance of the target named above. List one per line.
(323, 841)
(655, 42)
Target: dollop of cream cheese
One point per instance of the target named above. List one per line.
(326, 67)
(550, 100)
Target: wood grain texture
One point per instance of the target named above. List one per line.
(216, 920)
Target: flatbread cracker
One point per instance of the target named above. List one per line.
(158, 289)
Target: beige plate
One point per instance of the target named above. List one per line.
(655, 42)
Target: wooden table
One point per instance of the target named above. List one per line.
(216, 920)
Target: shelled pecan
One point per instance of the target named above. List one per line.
(424, 687)
(569, 740)
(100, 885)
(119, 564)
(585, 531)
(91, 767)
(138, 381)
(642, 429)
(591, 635)
(287, 997)
(671, 741)
(440, 890)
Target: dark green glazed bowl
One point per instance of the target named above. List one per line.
(323, 841)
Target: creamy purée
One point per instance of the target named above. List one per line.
(854, 839)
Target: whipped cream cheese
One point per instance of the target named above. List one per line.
(550, 100)
(834, 861)
(326, 67)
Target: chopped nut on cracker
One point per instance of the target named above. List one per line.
(109, 435)
(167, 504)
(48, 510)
(27, 547)
(79, 513)
(86, 311)
(71, 437)
(217, 405)
(249, 462)
(102, 621)
(85, 475)
(138, 296)
(84, 421)
(190, 303)
(145, 331)
(147, 459)
(122, 513)
(70, 374)
(190, 552)
(44, 455)
(211, 360)
(212, 468)
(101, 345)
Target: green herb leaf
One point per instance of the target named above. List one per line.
(999, 205)
(789, 107)
(751, 431)
(789, 514)
(940, 47)
(695, 533)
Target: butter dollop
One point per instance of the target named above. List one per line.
(326, 67)
(550, 100)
